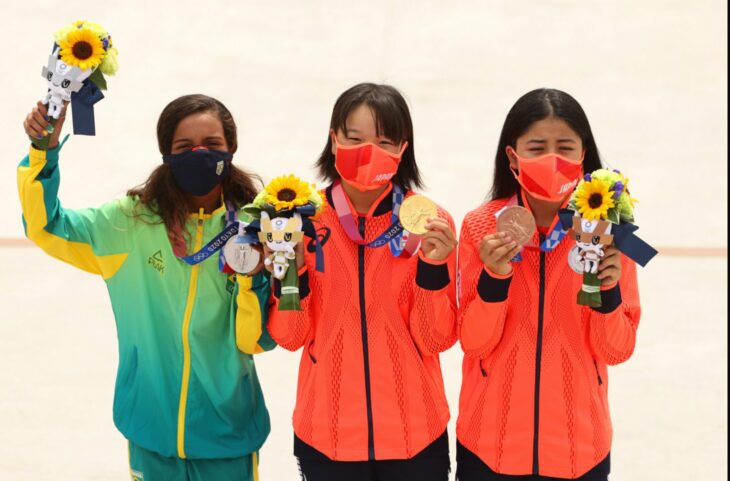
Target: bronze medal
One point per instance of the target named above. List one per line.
(518, 222)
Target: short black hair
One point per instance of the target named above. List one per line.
(392, 119)
(532, 107)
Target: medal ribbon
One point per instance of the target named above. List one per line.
(230, 219)
(233, 228)
(401, 242)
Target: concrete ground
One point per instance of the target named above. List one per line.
(651, 76)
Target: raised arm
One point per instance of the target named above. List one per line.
(95, 240)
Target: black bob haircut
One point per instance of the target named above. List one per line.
(392, 120)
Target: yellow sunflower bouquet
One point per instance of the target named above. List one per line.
(83, 53)
(283, 212)
(601, 200)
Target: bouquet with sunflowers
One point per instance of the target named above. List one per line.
(284, 210)
(82, 54)
(601, 201)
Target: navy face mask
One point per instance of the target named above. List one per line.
(198, 170)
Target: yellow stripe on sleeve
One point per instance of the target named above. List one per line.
(248, 317)
(78, 254)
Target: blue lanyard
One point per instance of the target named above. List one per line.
(233, 226)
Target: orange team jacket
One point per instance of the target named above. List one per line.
(372, 326)
(534, 380)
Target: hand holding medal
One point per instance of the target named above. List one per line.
(515, 226)
(82, 54)
(419, 216)
(518, 223)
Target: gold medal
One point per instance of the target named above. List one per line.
(415, 212)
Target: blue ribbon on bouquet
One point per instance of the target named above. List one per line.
(82, 108)
(628, 243)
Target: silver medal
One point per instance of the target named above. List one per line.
(575, 261)
(242, 258)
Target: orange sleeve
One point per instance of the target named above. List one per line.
(613, 325)
(482, 300)
(433, 304)
(290, 329)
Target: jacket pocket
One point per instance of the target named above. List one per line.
(310, 352)
(598, 374)
(125, 391)
(128, 369)
(483, 367)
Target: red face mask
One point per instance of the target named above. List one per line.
(549, 177)
(366, 166)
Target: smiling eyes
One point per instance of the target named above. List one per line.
(358, 140)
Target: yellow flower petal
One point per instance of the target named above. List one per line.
(297, 192)
(588, 192)
(73, 39)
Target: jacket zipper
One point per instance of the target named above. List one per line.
(538, 361)
(186, 342)
(364, 333)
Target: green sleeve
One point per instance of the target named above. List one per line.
(97, 240)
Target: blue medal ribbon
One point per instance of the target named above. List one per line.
(213, 246)
(397, 243)
(232, 228)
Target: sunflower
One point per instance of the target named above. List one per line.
(593, 199)
(286, 192)
(82, 48)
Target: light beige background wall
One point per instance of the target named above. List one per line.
(651, 75)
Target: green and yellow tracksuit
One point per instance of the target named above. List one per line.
(186, 385)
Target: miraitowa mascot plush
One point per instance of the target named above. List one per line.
(601, 213)
(82, 54)
(591, 236)
(283, 214)
(281, 235)
(63, 80)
